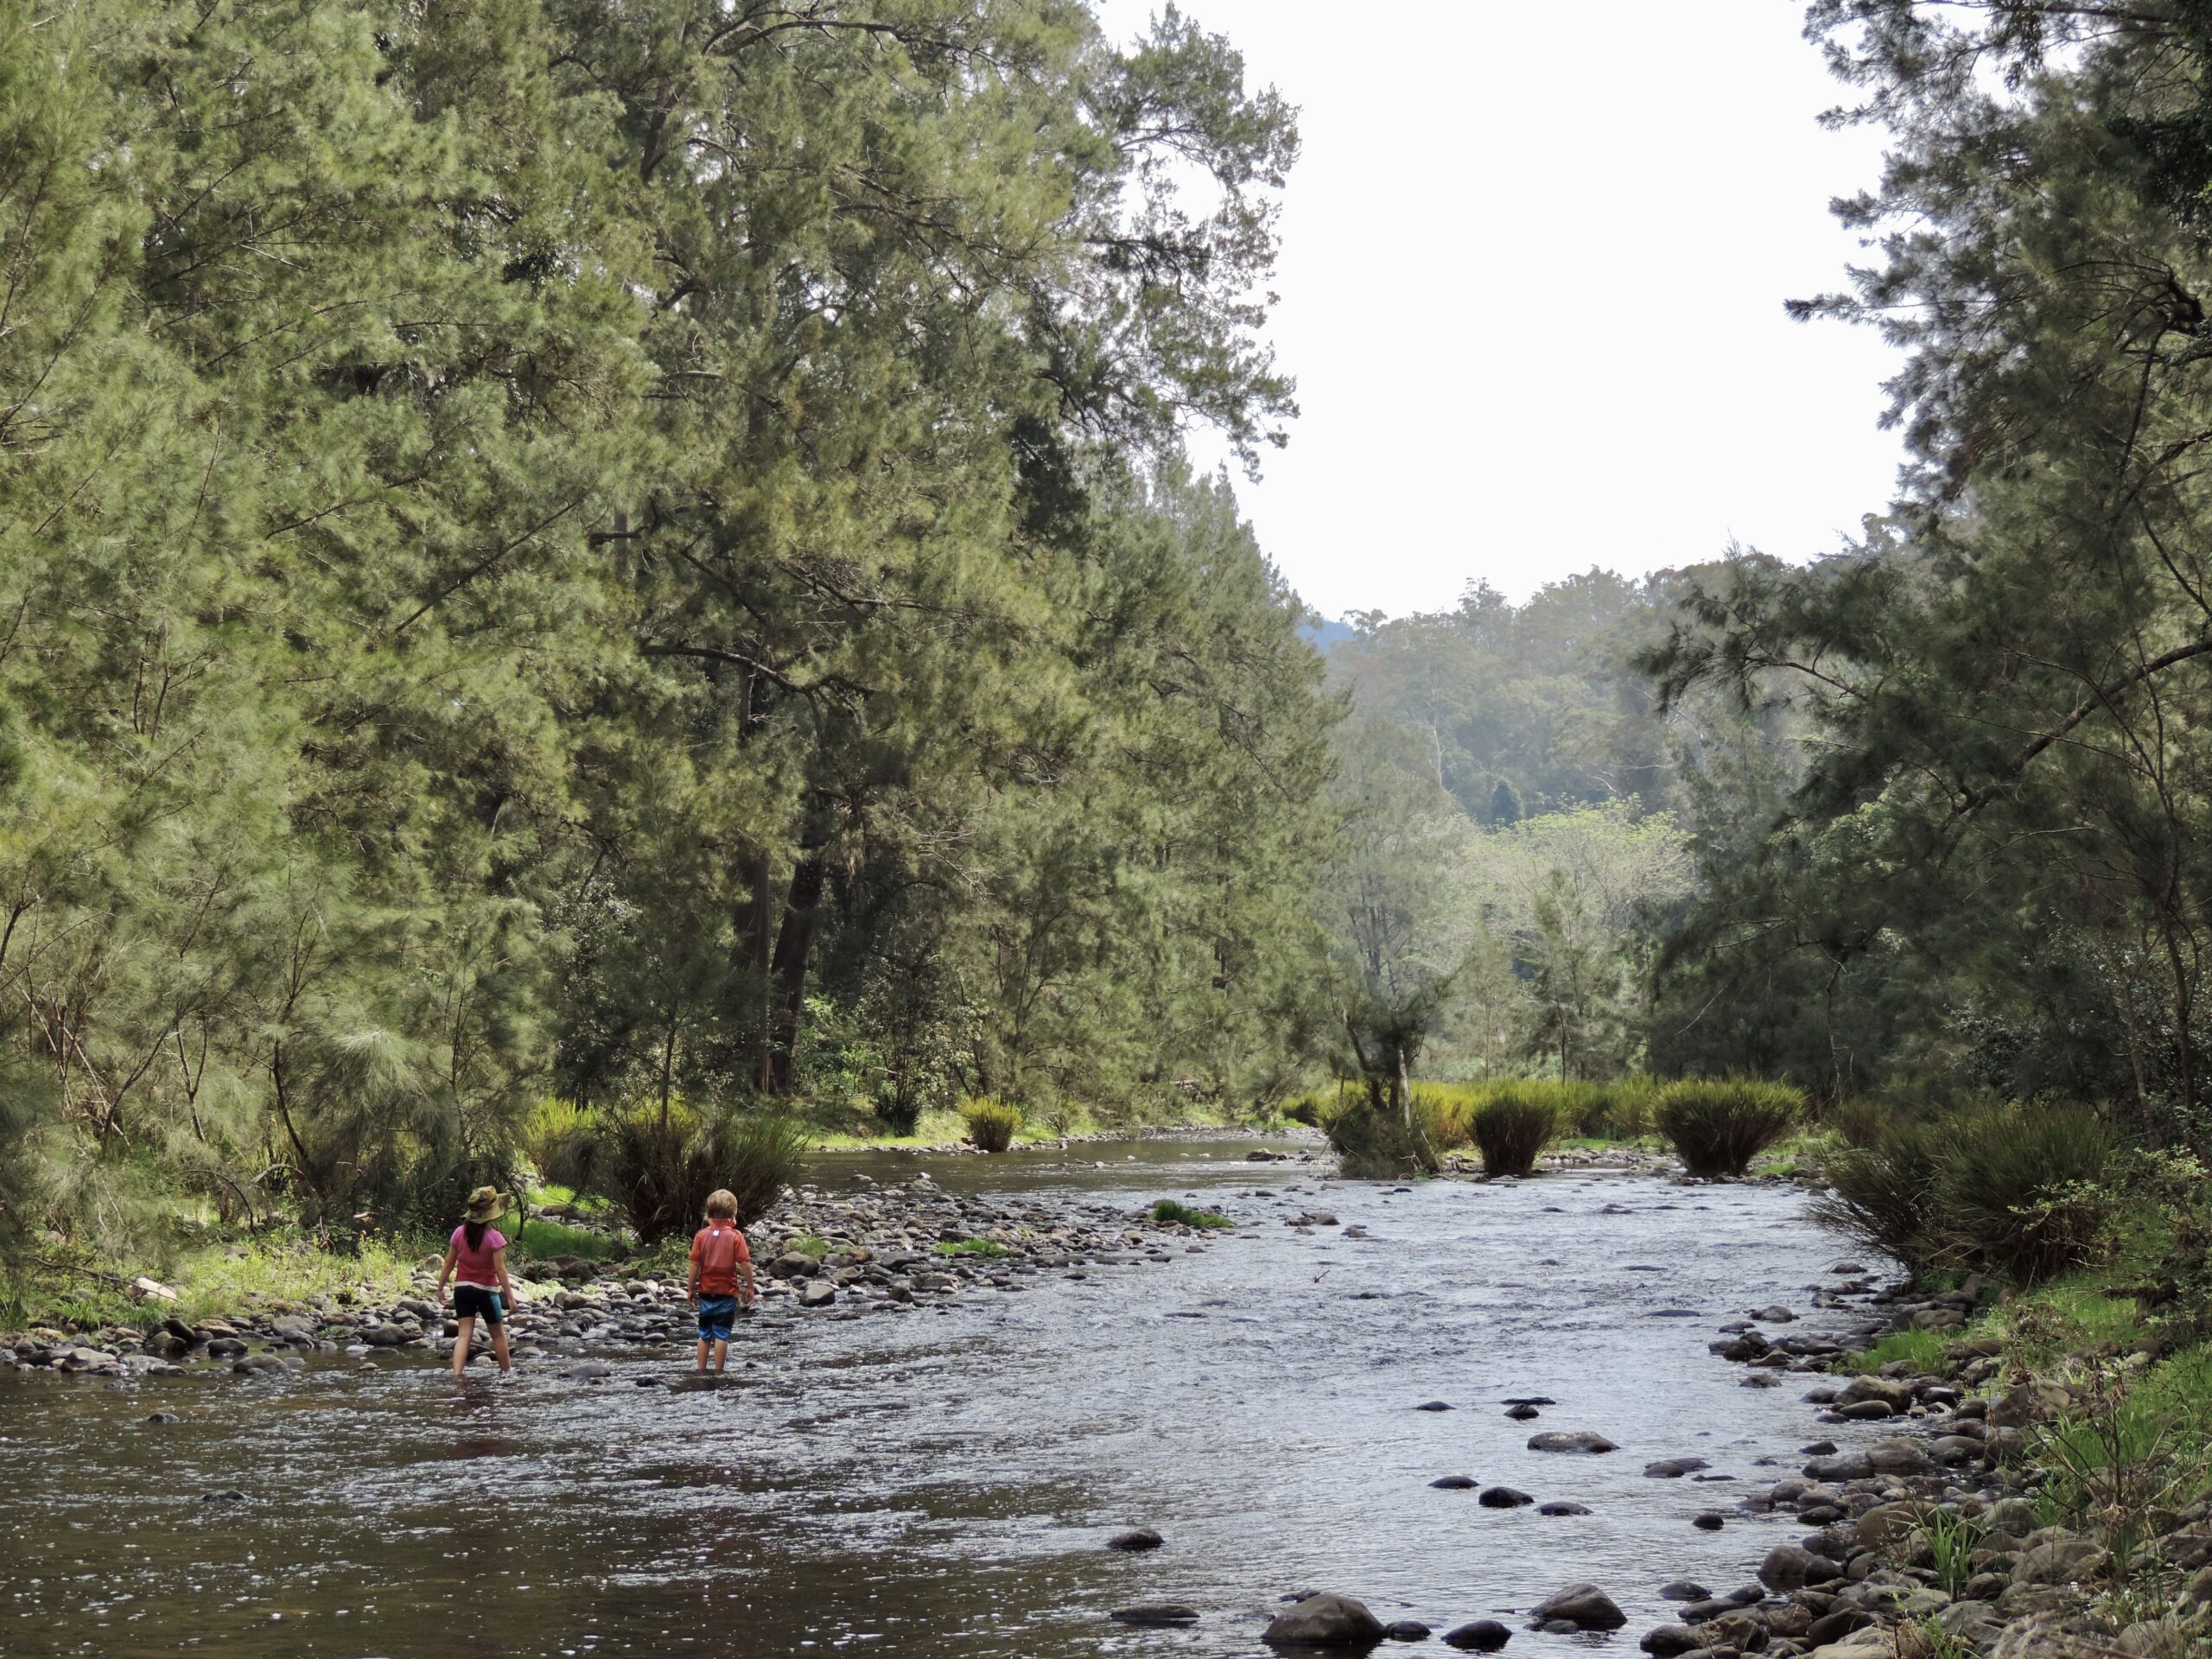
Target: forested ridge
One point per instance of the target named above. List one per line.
(617, 554)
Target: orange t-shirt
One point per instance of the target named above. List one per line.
(716, 1249)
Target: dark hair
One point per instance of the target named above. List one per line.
(476, 1231)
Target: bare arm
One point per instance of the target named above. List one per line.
(500, 1267)
(745, 1278)
(445, 1272)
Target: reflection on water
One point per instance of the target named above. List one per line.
(942, 1482)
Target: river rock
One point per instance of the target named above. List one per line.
(1774, 1314)
(1890, 1392)
(1562, 1509)
(1684, 1590)
(385, 1335)
(1156, 1614)
(819, 1292)
(1405, 1630)
(1711, 1521)
(1570, 1441)
(1674, 1468)
(1844, 1465)
(1324, 1621)
(2030, 1403)
(1137, 1538)
(1433, 1405)
(1522, 1413)
(1738, 1631)
(1791, 1566)
(1585, 1607)
(589, 1371)
(1504, 1498)
(1667, 1640)
(1478, 1636)
(1453, 1483)
(2062, 1560)
(1899, 1457)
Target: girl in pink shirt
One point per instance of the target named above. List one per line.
(476, 1259)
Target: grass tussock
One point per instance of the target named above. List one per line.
(2010, 1189)
(1620, 1110)
(657, 1163)
(1922, 1351)
(1512, 1128)
(1718, 1125)
(1167, 1210)
(991, 1124)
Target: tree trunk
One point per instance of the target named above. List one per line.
(754, 917)
(787, 971)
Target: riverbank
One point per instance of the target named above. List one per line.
(2045, 1497)
(888, 1248)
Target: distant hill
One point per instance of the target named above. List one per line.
(1323, 634)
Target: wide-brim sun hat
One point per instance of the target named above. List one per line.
(487, 1204)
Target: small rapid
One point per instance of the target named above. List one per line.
(942, 1480)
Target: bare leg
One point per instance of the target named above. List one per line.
(703, 1355)
(460, 1344)
(721, 1357)
(499, 1346)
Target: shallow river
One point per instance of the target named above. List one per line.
(942, 1482)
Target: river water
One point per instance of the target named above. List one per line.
(942, 1482)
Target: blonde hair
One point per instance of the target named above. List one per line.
(722, 1204)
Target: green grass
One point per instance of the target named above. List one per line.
(540, 1238)
(1169, 1210)
(1952, 1539)
(812, 1245)
(217, 1278)
(984, 1247)
(1923, 1350)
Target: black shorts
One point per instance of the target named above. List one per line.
(474, 1302)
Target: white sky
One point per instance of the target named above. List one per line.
(1533, 266)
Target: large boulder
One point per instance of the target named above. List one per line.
(1583, 1606)
(1324, 1621)
(1791, 1567)
(2031, 1404)
(1891, 1393)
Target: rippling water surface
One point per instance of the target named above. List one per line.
(942, 1482)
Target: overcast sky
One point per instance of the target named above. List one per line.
(1533, 266)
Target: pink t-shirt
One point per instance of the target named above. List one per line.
(475, 1267)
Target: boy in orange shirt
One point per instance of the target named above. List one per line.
(721, 1276)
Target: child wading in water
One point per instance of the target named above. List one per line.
(721, 1275)
(477, 1260)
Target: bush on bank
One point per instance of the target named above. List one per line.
(2014, 1189)
(992, 1124)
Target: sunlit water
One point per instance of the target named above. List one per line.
(942, 1482)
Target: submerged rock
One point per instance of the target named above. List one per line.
(1453, 1483)
(1137, 1538)
(1478, 1636)
(1504, 1498)
(1324, 1621)
(1570, 1441)
(1156, 1613)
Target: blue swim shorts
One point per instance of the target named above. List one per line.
(716, 1315)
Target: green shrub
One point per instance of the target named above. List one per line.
(1513, 1127)
(1885, 1195)
(1169, 1210)
(563, 1140)
(992, 1124)
(1718, 1125)
(1380, 1146)
(2017, 1188)
(659, 1165)
(2008, 1188)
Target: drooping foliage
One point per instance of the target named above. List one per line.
(1996, 869)
(550, 547)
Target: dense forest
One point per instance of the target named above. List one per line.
(551, 549)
